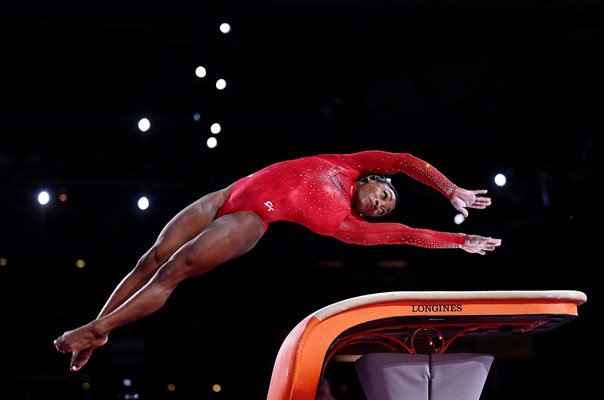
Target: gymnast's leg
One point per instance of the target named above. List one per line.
(225, 238)
(184, 226)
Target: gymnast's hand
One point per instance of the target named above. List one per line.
(463, 198)
(480, 244)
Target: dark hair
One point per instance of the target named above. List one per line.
(385, 181)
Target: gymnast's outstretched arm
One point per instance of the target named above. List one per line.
(388, 163)
(356, 230)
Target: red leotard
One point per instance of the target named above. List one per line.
(317, 192)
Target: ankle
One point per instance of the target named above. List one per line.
(98, 329)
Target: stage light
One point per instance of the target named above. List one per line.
(143, 203)
(212, 142)
(43, 197)
(500, 180)
(144, 124)
(225, 28)
(200, 72)
(220, 84)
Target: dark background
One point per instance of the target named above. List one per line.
(474, 87)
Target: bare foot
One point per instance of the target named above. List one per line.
(81, 338)
(79, 359)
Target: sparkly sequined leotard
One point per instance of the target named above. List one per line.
(317, 192)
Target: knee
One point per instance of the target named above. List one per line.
(169, 275)
(149, 262)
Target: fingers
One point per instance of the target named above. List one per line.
(490, 244)
(493, 242)
(480, 203)
(480, 244)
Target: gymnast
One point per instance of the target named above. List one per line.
(330, 194)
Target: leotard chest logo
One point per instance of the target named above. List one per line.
(269, 205)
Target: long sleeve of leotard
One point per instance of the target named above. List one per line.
(388, 163)
(358, 231)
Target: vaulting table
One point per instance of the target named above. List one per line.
(406, 323)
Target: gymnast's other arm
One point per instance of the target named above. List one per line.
(376, 197)
(356, 230)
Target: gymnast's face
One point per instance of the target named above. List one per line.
(374, 198)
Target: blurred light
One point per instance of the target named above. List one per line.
(459, 218)
(127, 382)
(80, 263)
(143, 203)
(212, 142)
(144, 124)
(200, 72)
(216, 388)
(197, 117)
(220, 84)
(500, 180)
(43, 197)
(3, 262)
(171, 387)
(215, 128)
(62, 194)
(225, 27)
(86, 385)
(393, 263)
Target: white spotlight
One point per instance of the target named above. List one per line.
(225, 27)
(143, 203)
(212, 142)
(215, 128)
(144, 124)
(200, 72)
(220, 84)
(500, 180)
(43, 197)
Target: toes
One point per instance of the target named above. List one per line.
(57, 344)
(79, 359)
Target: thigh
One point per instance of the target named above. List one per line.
(227, 237)
(185, 225)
